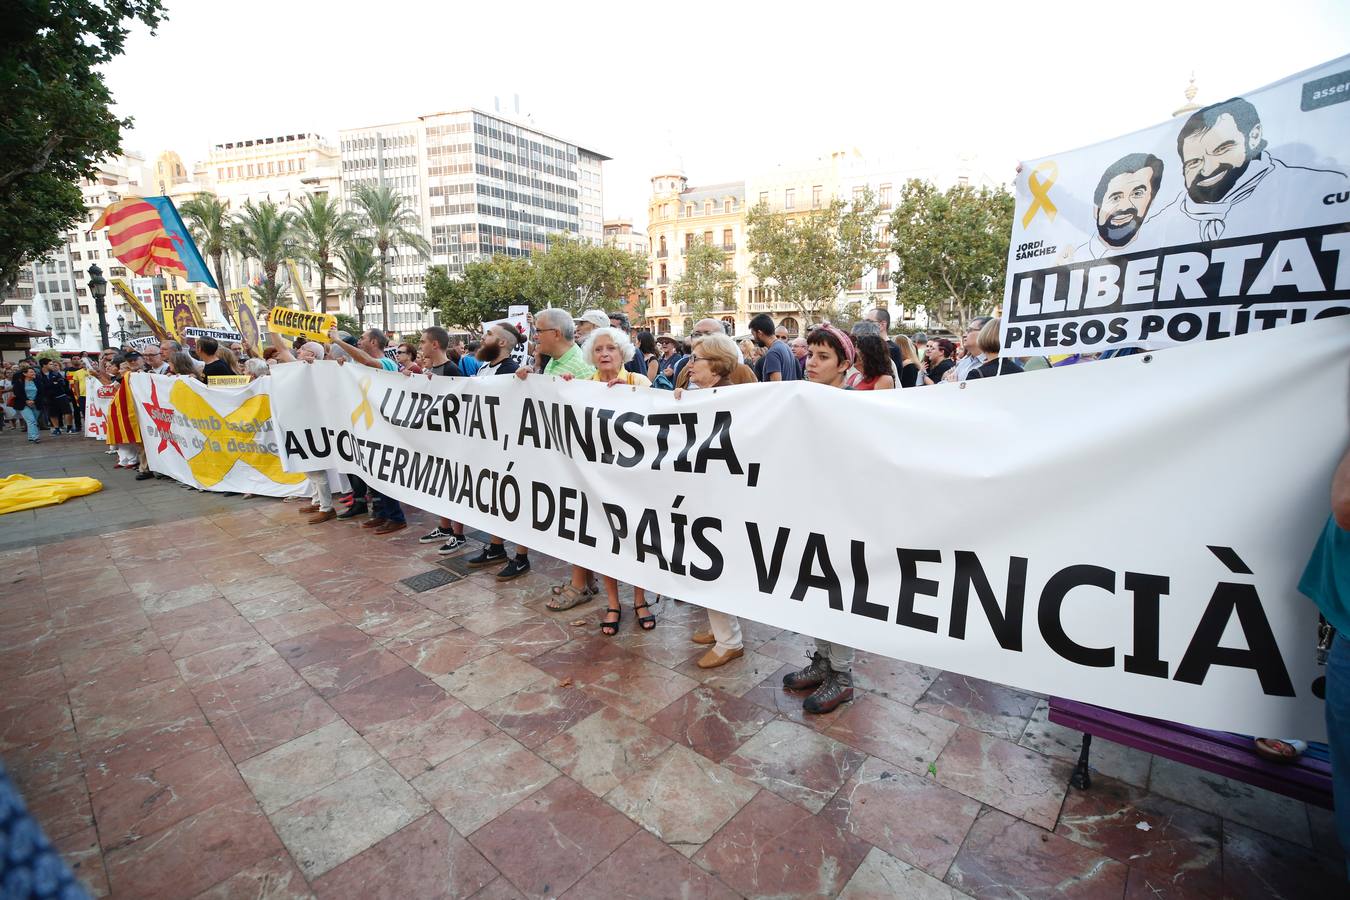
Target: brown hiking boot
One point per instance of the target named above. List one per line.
(812, 676)
(837, 689)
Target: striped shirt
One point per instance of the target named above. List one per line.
(570, 363)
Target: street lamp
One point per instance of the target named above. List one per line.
(98, 287)
(121, 333)
(51, 340)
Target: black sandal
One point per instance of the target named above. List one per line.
(646, 623)
(609, 629)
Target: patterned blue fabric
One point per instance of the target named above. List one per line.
(30, 867)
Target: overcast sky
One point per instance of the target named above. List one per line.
(732, 89)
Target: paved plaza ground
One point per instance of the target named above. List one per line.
(202, 695)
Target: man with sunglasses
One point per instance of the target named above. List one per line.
(974, 358)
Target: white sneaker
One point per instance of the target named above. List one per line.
(435, 535)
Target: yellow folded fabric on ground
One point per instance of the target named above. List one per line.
(18, 492)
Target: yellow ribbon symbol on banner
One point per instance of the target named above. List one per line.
(365, 409)
(1040, 192)
(211, 466)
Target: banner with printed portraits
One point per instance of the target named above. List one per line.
(1227, 219)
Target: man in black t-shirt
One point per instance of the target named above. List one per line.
(207, 348)
(778, 362)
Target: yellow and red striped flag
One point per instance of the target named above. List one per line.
(149, 237)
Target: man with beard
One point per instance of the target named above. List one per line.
(1234, 187)
(1121, 203)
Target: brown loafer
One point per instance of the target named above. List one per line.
(323, 517)
(714, 657)
(703, 637)
(374, 523)
(391, 527)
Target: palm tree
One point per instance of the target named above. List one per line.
(389, 222)
(357, 267)
(318, 229)
(208, 218)
(262, 231)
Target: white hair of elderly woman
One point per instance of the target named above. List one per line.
(313, 347)
(621, 340)
(255, 367)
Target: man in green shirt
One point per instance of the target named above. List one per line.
(553, 332)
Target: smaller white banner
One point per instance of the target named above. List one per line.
(216, 334)
(215, 438)
(97, 399)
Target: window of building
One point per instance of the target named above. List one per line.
(727, 241)
(663, 298)
(790, 198)
(707, 207)
(858, 193)
(764, 197)
(963, 181)
(707, 237)
(726, 205)
(885, 196)
(250, 170)
(688, 240)
(815, 197)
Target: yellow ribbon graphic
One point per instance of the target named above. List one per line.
(211, 466)
(1040, 192)
(365, 409)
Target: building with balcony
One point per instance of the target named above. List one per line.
(679, 216)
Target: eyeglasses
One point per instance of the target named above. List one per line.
(697, 358)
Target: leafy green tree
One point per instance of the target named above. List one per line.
(208, 218)
(390, 222)
(262, 232)
(359, 269)
(576, 275)
(347, 323)
(706, 286)
(318, 227)
(953, 249)
(484, 292)
(810, 256)
(57, 114)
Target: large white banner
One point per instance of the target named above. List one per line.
(1128, 533)
(1227, 220)
(215, 438)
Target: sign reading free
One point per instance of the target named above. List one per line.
(308, 325)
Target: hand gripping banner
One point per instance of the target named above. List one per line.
(1140, 553)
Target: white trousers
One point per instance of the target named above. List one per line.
(726, 629)
(322, 495)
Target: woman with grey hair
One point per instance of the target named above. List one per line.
(255, 368)
(613, 346)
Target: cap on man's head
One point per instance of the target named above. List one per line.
(131, 354)
(596, 317)
(920, 338)
(667, 339)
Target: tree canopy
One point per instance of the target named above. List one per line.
(707, 285)
(57, 114)
(953, 249)
(484, 292)
(810, 256)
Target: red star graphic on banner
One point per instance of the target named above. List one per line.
(162, 416)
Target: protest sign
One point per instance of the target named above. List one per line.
(223, 335)
(97, 399)
(218, 439)
(227, 380)
(241, 305)
(141, 343)
(1229, 220)
(1114, 562)
(308, 325)
(123, 290)
(180, 311)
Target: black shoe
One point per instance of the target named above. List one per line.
(837, 689)
(490, 555)
(455, 544)
(609, 629)
(812, 676)
(144, 476)
(517, 567)
(435, 535)
(351, 512)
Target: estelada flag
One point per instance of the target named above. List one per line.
(149, 236)
(123, 425)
